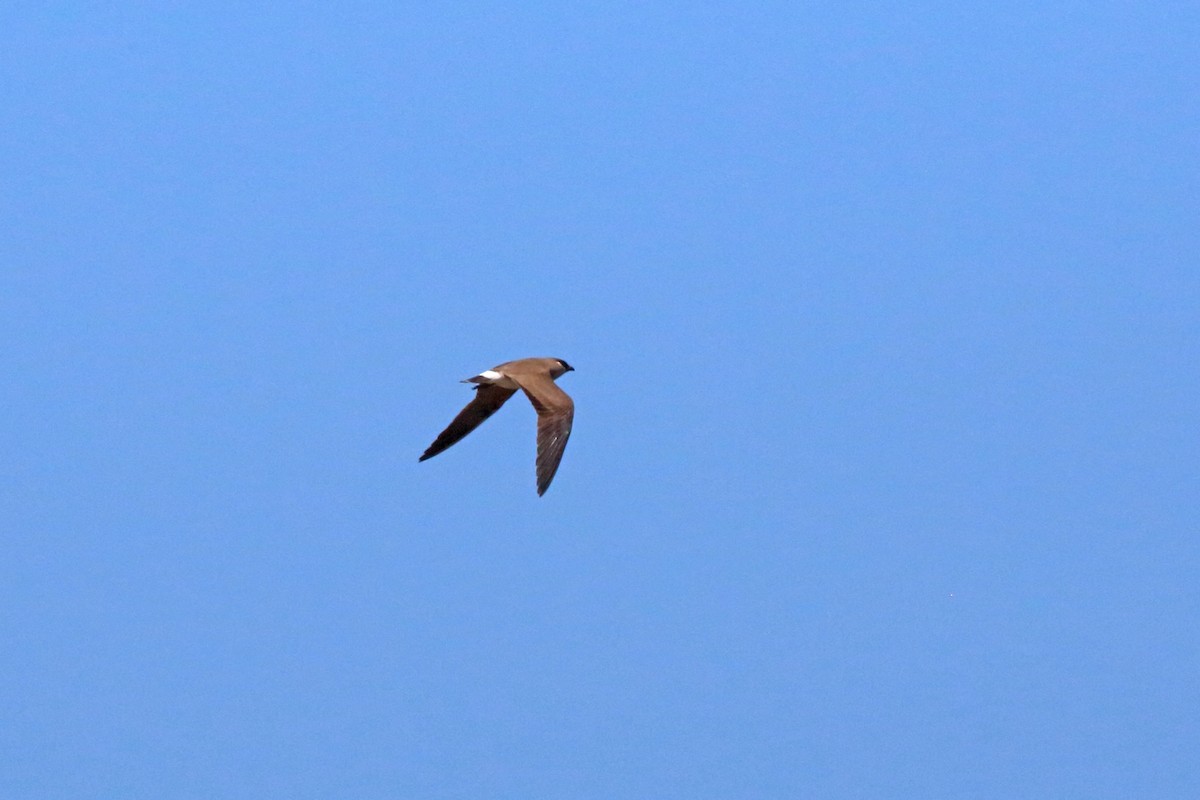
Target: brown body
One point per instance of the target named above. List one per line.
(535, 377)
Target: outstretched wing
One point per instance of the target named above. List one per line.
(555, 411)
(487, 399)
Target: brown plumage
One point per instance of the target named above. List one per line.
(535, 377)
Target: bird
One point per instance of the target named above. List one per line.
(535, 377)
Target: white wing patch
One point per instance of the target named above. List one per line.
(491, 375)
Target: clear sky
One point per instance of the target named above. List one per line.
(884, 478)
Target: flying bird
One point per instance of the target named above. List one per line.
(535, 377)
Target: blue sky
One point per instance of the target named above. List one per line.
(883, 482)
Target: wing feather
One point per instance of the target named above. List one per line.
(488, 398)
(556, 412)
